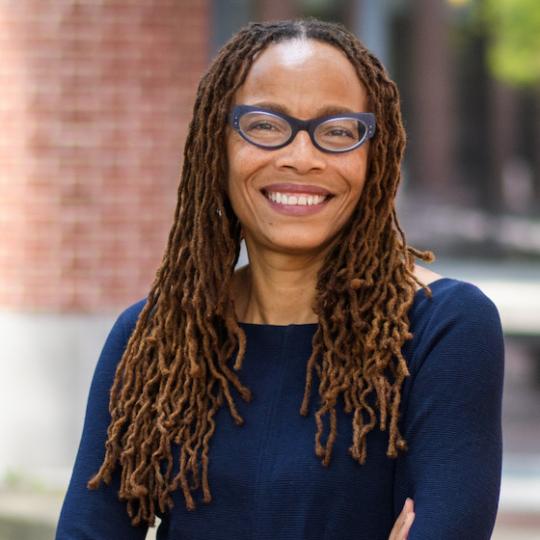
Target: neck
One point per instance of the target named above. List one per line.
(277, 288)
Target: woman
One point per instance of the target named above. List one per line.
(319, 390)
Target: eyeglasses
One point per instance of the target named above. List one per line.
(272, 130)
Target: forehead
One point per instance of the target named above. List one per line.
(301, 74)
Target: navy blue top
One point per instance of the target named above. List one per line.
(265, 479)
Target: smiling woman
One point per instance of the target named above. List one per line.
(305, 79)
(362, 392)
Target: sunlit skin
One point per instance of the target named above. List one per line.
(305, 79)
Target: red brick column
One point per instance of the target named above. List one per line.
(95, 98)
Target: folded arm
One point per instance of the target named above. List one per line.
(452, 423)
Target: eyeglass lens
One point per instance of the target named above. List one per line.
(265, 129)
(269, 130)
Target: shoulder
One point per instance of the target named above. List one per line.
(459, 324)
(454, 297)
(109, 358)
(450, 297)
(128, 317)
(120, 332)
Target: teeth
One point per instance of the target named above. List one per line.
(295, 200)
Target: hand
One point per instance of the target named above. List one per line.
(400, 530)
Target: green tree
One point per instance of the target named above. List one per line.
(513, 27)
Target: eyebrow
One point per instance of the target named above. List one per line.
(323, 111)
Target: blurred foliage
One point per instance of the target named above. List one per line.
(513, 29)
(18, 480)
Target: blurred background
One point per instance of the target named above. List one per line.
(95, 100)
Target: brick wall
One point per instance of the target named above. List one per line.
(95, 98)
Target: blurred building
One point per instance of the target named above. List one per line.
(95, 101)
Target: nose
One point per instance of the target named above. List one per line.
(301, 155)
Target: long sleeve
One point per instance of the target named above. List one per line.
(265, 479)
(98, 514)
(452, 420)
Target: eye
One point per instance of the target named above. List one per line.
(339, 132)
(261, 125)
(336, 131)
(264, 128)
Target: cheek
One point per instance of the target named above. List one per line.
(238, 173)
(234, 171)
(355, 172)
(233, 190)
(246, 164)
(237, 158)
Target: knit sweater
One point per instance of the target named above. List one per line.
(265, 479)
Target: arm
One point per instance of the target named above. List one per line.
(98, 514)
(452, 421)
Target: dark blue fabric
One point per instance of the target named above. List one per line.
(266, 481)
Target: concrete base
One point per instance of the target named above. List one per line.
(47, 365)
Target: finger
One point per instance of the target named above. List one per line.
(396, 528)
(404, 531)
(407, 508)
(402, 515)
(409, 505)
(398, 524)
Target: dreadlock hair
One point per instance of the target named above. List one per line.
(175, 372)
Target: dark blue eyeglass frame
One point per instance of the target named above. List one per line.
(366, 118)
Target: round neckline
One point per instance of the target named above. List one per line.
(247, 325)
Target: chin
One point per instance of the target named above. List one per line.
(299, 244)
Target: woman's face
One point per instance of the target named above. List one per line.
(304, 79)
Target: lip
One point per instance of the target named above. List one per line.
(296, 209)
(297, 188)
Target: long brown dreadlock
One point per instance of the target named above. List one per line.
(175, 371)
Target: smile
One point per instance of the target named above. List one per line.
(298, 199)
